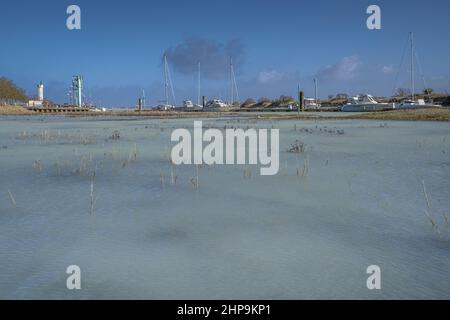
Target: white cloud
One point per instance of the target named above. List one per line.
(345, 69)
(270, 76)
(388, 69)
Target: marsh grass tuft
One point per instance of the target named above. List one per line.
(92, 196)
(11, 197)
(115, 135)
(297, 147)
(195, 180)
(82, 169)
(37, 164)
(161, 177)
(196, 169)
(247, 173)
(132, 156)
(173, 176)
(432, 220)
(433, 223)
(305, 169)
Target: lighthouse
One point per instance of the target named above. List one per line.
(40, 91)
(39, 101)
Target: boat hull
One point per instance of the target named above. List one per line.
(367, 107)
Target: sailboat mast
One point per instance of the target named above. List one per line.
(315, 90)
(143, 98)
(412, 67)
(166, 92)
(198, 88)
(234, 88)
(231, 80)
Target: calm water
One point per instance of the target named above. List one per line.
(289, 236)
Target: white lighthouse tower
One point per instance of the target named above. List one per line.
(40, 91)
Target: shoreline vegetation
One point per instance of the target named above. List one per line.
(14, 110)
(425, 114)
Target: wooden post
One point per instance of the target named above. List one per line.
(301, 99)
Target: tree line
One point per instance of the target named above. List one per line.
(9, 91)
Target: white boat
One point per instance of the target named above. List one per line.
(215, 105)
(99, 109)
(365, 103)
(311, 104)
(188, 105)
(165, 107)
(411, 104)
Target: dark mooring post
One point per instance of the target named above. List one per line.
(301, 99)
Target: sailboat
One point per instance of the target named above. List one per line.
(199, 104)
(413, 103)
(218, 104)
(167, 84)
(234, 89)
(188, 105)
(312, 104)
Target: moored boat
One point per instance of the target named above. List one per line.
(365, 103)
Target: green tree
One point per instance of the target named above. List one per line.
(428, 91)
(9, 91)
(402, 92)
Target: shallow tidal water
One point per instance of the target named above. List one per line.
(353, 198)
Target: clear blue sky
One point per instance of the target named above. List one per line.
(275, 45)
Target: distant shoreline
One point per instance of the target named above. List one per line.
(426, 114)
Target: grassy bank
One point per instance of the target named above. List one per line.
(431, 114)
(14, 110)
